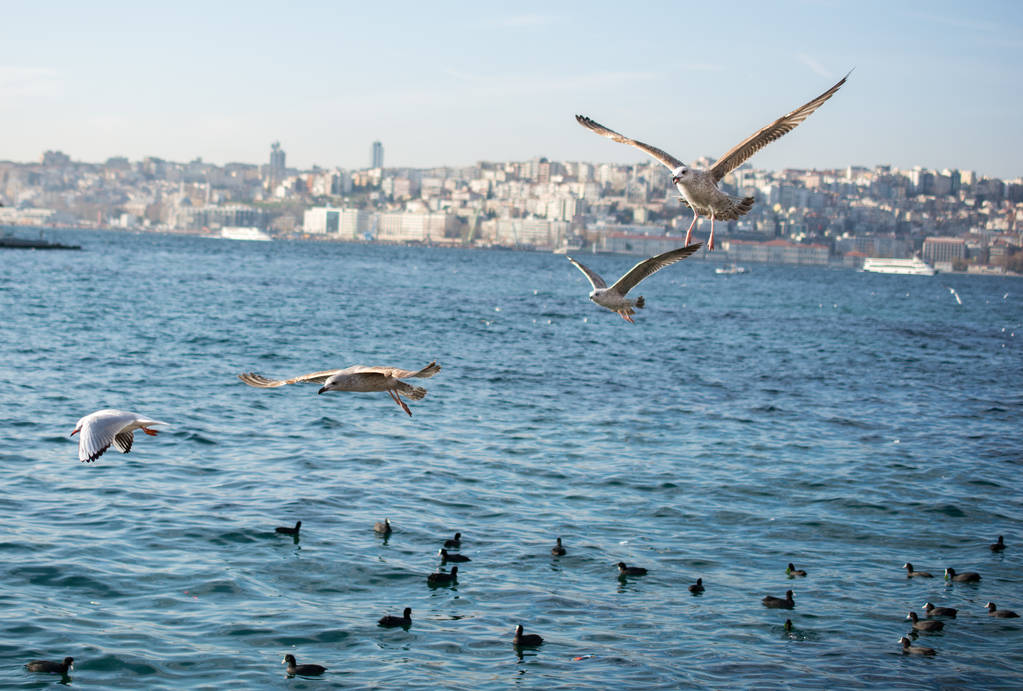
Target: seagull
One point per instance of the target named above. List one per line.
(356, 378)
(699, 188)
(613, 298)
(105, 427)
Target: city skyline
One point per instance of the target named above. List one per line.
(451, 87)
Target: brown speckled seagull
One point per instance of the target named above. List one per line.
(356, 378)
(613, 298)
(699, 188)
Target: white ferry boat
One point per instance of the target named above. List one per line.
(244, 233)
(914, 267)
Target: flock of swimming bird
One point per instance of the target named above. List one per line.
(699, 190)
(522, 640)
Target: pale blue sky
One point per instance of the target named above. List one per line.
(936, 83)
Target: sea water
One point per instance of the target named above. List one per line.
(844, 421)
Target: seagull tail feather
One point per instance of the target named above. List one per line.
(413, 393)
(736, 207)
(640, 302)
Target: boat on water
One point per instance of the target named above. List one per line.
(13, 242)
(910, 267)
(730, 270)
(244, 233)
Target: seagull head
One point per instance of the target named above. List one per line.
(329, 385)
(78, 427)
(679, 174)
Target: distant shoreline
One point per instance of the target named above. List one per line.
(718, 257)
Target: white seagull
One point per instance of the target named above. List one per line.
(356, 378)
(105, 427)
(613, 298)
(699, 188)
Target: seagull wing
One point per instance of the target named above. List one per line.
(652, 265)
(261, 382)
(595, 280)
(99, 432)
(669, 161)
(396, 372)
(123, 441)
(765, 135)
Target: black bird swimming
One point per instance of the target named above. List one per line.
(994, 612)
(624, 570)
(289, 531)
(793, 571)
(998, 546)
(925, 624)
(914, 649)
(454, 542)
(558, 550)
(441, 578)
(910, 573)
(384, 527)
(779, 603)
(47, 667)
(445, 557)
(304, 670)
(526, 639)
(933, 611)
(967, 577)
(404, 620)
(696, 588)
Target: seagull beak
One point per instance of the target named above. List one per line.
(322, 389)
(73, 433)
(674, 181)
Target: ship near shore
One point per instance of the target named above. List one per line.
(913, 267)
(13, 242)
(244, 233)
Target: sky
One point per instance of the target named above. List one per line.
(935, 83)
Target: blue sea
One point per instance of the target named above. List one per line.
(843, 421)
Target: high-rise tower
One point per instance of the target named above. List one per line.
(275, 173)
(377, 156)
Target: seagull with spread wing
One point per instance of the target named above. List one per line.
(357, 378)
(699, 188)
(613, 298)
(105, 427)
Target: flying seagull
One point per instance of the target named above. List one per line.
(699, 188)
(356, 378)
(613, 298)
(105, 427)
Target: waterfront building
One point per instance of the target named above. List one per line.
(376, 155)
(403, 226)
(776, 251)
(344, 224)
(943, 250)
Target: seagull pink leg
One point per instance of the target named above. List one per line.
(400, 402)
(710, 242)
(689, 233)
(150, 432)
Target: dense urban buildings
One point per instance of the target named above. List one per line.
(955, 220)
